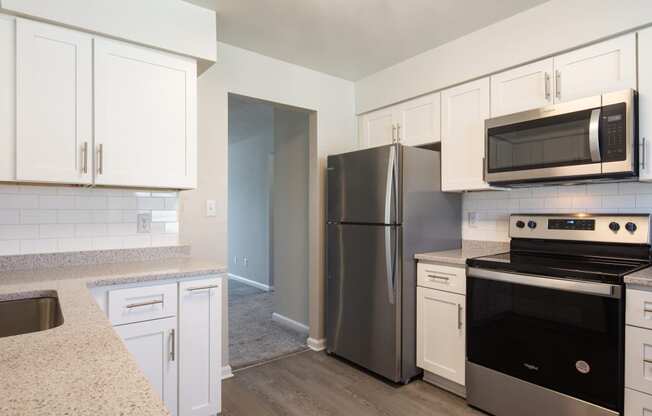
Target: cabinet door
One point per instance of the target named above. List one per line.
(7, 98)
(603, 67)
(54, 101)
(464, 110)
(645, 102)
(523, 88)
(441, 347)
(201, 333)
(419, 120)
(153, 345)
(145, 117)
(378, 128)
(637, 403)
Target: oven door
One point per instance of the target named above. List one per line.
(564, 335)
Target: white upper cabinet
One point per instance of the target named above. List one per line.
(464, 109)
(523, 88)
(54, 104)
(596, 69)
(145, 117)
(378, 128)
(7, 98)
(645, 102)
(418, 121)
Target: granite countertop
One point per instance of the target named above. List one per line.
(82, 366)
(641, 277)
(469, 250)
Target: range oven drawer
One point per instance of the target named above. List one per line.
(549, 332)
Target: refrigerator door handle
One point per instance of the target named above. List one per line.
(389, 185)
(389, 260)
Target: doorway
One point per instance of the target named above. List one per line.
(268, 196)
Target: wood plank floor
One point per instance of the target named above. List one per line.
(314, 384)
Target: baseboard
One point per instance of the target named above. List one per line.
(316, 344)
(289, 323)
(250, 282)
(226, 372)
(445, 384)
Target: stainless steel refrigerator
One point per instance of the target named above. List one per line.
(384, 205)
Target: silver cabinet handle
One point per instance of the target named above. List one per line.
(173, 347)
(398, 132)
(558, 84)
(459, 316)
(643, 154)
(85, 157)
(100, 159)
(149, 303)
(547, 85)
(434, 276)
(393, 133)
(191, 289)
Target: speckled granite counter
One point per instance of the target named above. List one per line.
(80, 367)
(469, 249)
(640, 278)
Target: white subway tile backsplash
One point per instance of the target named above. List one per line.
(40, 219)
(18, 232)
(9, 216)
(493, 207)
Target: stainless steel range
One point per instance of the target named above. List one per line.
(546, 323)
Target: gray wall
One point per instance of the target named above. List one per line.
(290, 214)
(251, 142)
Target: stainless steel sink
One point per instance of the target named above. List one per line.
(22, 316)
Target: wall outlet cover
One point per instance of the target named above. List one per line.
(144, 223)
(473, 219)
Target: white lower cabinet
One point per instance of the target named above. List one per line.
(174, 332)
(441, 326)
(638, 353)
(200, 344)
(153, 345)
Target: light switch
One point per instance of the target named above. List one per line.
(211, 208)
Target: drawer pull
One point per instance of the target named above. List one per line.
(191, 289)
(647, 310)
(647, 361)
(434, 276)
(138, 305)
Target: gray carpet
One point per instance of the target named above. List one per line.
(253, 336)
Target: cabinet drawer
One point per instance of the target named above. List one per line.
(637, 403)
(142, 303)
(639, 308)
(638, 359)
(448, 278)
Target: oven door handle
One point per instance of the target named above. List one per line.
(594, 136)
(588, 288)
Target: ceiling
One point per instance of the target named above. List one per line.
(352, 38)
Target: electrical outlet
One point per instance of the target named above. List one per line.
(473, 219)
(144, 223)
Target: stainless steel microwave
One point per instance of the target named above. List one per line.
(587, 139)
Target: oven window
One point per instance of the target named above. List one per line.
(554, 141)
(568, 342)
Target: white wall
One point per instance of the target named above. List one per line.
(290, 214)
(494, 207)
(251, 142)
(51, 219)
(544, 30)
(250, 74)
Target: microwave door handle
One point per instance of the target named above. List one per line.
(594, 136)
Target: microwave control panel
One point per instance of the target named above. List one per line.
(613, 132)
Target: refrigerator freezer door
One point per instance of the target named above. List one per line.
(364, 296)
(364, 186)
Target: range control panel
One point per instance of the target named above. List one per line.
(608, 228)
